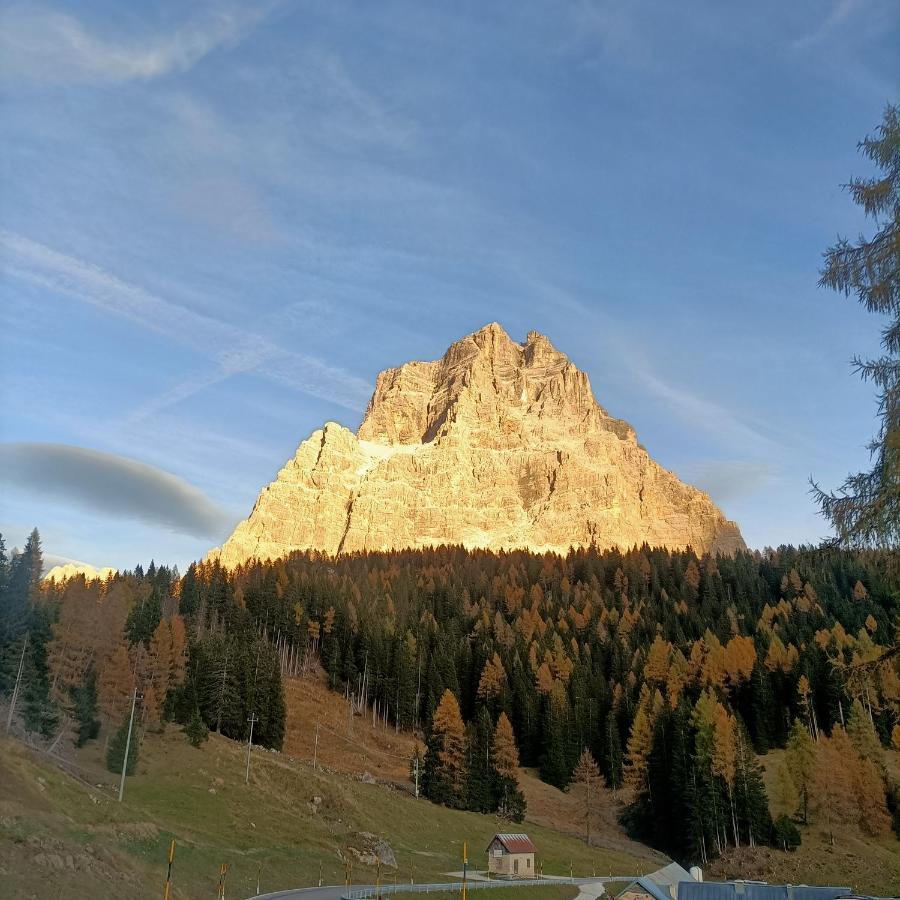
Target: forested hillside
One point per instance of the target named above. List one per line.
(672, 671)
(82, 648)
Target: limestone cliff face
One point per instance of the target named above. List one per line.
(496, 445)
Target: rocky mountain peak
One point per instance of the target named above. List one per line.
(496, 444)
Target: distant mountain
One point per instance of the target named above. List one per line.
(72, 570)
(496, 445)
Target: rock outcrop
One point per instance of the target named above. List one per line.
(497, 445)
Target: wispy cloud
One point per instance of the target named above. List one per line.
(610, 26)
(42, 44)
(234, 349)
(112, 485)
(699, 411)
(729, 479)
(687, 404)
(840, 13)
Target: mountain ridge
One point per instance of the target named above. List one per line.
(498, 445)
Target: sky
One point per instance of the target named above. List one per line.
(219, 221)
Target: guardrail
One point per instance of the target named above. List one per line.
(456, 886)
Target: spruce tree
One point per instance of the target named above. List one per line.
(195, 730)
(480, 778)
(613, 751)
(555, 766)
(751, 802)
(866, 509)
(84, 709)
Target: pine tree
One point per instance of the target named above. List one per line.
(866, 509)
(586, 778)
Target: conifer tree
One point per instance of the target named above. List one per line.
(640, 742)
(555, 765)
(480, 778)
(724, 758)
(613, 751)
(833, 795)
(863, 736)
(511, 801)
(866, 509)
(586, 779)
(800, 760)
(444, 777)
(115, 753)
(751, 801)
(195, 730)
(115, 684)
(84, 710)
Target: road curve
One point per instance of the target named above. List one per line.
(338, 891)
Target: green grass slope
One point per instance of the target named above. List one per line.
(63, 836)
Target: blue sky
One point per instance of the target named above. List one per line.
(221, 220)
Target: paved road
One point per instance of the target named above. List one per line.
(588, 888)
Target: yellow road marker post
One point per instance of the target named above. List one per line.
(168, 886)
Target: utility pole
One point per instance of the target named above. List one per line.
(134, 699)
(258, 875)
(252, 720)
(15, 695)
(417, 773)
(316, 749)
(465, 868)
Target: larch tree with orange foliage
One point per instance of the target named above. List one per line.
(444, 777)
(640, 743)
(833, 794)
(586, 780)
(505, 759)
(724, 758)
(115, 684)
(493, 679)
